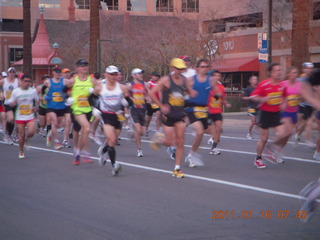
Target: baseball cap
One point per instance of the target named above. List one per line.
(213, 71)
(155, 74)
(307, 65)
(65, 70)
(56, 69)
(112, 69)
(185, 57)
(11, 69)
(136, 71)
(178, 63)
(20, 75)
(81, 62)
(4, 74)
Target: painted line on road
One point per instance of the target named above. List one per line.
(213, 180)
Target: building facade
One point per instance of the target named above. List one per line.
(227, 30)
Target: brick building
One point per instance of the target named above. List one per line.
(226, 30)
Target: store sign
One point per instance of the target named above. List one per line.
(263, 47)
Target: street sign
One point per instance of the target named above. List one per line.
(263, 47)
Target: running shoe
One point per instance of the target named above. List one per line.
(316, 156)
(147, 134)
(60, 129)
(311, 145)
(76, 159)
(249, 136)
(95, 139)
(308, 208)
(259, 163)
(126, 127)
(177, 173)
(8, 139)
(307, 211)
(102, 156)
(296, 140)
(189, 161)
(157, 140)
(57, 145)
(214, 151)
(15, 139)
(49, 138)
(116, 168)
(66, 144)
(139, 153)
(21, 155)
(130, 135)
(210, 141)
(172, 152)
(87, 158)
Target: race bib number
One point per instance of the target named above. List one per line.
(251, 110)
(154, 106)
(200, 112)
(82, 101)
(8, 94)
(121, 117)
(57, 97)
(293, 100)
(275, 99)
(138, 99)
(215, 103)
(25, 109)
(176, 100)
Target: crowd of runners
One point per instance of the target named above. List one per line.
(86, 106)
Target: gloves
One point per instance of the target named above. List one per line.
(96, 112)
(69, 101)
(124, 102)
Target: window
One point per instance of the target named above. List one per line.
(11, 25)
(136, 5)
(82, 4)
(109, 4)
(164, 5)
(190, 5)
(15, 54)
(49, 3)
(11, 3)
(232, 23)
(316, 10)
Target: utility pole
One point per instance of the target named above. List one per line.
(270, 31)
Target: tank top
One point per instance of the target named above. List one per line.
(174, 96)
(138, 93)
(55, 98)
(8, 88)
(203, 89)
(110, 100)
(80, 93)
(43, 103)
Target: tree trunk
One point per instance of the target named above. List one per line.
(300, 32)
(27, 44)
(94, 35)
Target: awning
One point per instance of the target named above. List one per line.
(236, 65)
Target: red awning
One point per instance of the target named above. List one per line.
(236, 65)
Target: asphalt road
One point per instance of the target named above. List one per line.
(46, 197)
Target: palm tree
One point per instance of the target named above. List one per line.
(94, 34)
(27, 44)
(300, 32)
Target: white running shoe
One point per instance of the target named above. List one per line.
(210, 141)
(189, 161)
(249, 136)
(8, 139)
(116, 169)
(214, 151)
(316, 156)
(139, 153)
(172, 152)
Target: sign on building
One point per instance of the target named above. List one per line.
(263, 47)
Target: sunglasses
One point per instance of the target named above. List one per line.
(57, 71)
(206, 66)
(83, 65)
(113, 74)
(28, 81)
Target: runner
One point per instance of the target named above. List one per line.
(65, 74)
(26, 101)
(111, 97)
(269, 93)
(9, 84)
(189, 72)
(197, 109)
(81, 86)
(42, 90)
(174, 92)
(56, 107)
(2, 112)
(252, 105)
(217, 98)
(139, 92)
(152, 107)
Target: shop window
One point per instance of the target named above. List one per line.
(49, 3)
(15, 54)
(11, 3)
(137, 5)
(11, 25)
(316, 10)
(164, 5)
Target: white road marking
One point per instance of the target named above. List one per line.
(228, 183)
